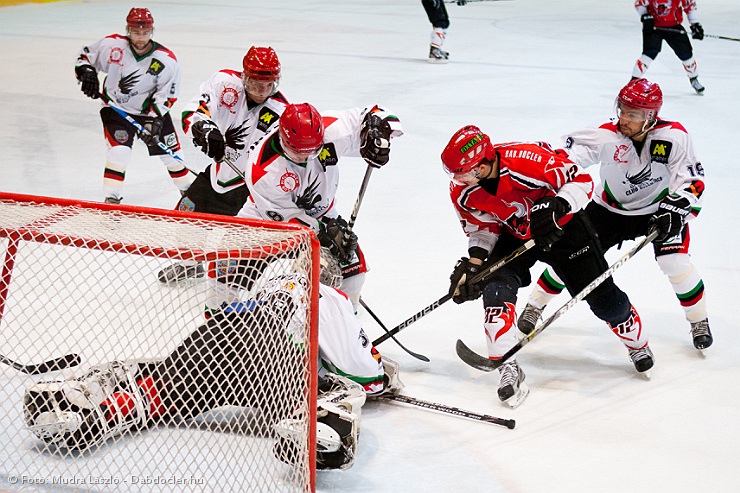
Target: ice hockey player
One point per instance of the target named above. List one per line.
(215, 366)
(233, 111)
(437, 14)
(505, 194)
(293, 175)
(143, 79)
(661, 20)
(650, 176)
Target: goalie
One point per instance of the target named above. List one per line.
(215, 366)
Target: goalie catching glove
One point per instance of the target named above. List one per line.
(88, 77)
(375, 140)
(209, 138)
(335, 235)
(670, 217)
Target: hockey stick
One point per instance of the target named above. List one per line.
(360, 196)
(138, 126)
(382, 326)
(45, 367)
(681, 31)
(509, 423)
(471, 1)
(482, 275)
(485, 364)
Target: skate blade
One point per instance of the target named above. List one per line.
(516, 400)
(647, 374)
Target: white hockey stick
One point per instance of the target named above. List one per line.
(485, 364)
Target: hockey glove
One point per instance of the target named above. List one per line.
(209, 138)
(697, 32)
(153, 129)
(375, 143)
(335, 235)
(543, 221)
(88, 76)
(670, 217)
(460, 289)
(648, 23)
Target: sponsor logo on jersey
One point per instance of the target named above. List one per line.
(116, 56)
(267, 117)
(660, 150)
(619, 154)
(328, 156)
(289, 181)
(229, 98)
(127, 83)
(155, 67)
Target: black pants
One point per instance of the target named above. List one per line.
(437, 13)
(677, 39)
(577, 259)
(201, 197)
(118, 130)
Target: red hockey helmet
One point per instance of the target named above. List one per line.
(641, 94)
(140, 17)
(261, 64)
(465, 150)
(301, 129)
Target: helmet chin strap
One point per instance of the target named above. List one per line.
(646, 127)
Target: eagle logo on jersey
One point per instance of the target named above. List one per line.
(309, 198)
(328, 156)
(266, 118)
(660, 150)
(229, 98)
(235, 136)
(642, 176)
(127, 82)
(289, 182)
(155, 67)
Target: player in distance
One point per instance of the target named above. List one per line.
(221, 364)
(142, 79)
(233, 111)
(649, 175)
(505, 194)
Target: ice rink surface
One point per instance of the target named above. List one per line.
(521, 70)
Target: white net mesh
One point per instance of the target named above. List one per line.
(168, 396)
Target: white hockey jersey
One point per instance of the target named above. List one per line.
(281, 190)
(223, 100)
(633, 183)
(146, 84)
(344, 348)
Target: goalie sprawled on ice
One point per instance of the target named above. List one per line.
(219, 364)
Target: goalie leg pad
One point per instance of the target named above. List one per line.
(87, 408)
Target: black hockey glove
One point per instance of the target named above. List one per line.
(209, 138)
(697, 32)
(88, 76)
(335, 235)
(460, 289)
(648, 23)
(153, 129)
(375, 140)
(543, 221)
(670, 217)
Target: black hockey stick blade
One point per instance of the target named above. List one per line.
(45, 367)
(484, 364)
(509, 423)
(382, 326)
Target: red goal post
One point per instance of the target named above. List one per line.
(81, 278)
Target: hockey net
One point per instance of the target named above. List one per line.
(80, 278)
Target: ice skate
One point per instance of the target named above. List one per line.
(180, 271)
(438, 55)
(113, 200)
(696, 85)
(511, 388)
(642, 359)
(529, 318)
(701, 334)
